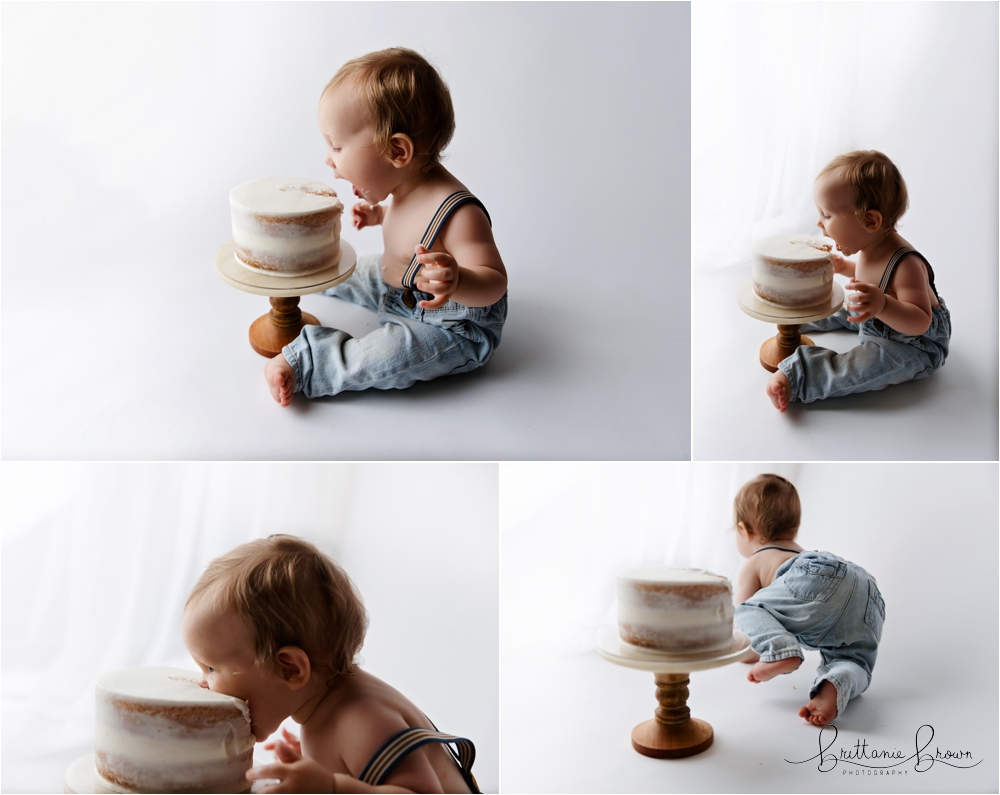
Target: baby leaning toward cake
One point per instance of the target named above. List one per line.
(902, 322)
(277, 623)
(789, 599)
(440, 286)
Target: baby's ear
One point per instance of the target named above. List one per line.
(873, 220)
(401, 150)
(293, 666)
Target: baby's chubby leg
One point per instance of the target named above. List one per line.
(838, 680)
(835, 322)
(364, 288)
(778, 649)
(399, 353)
(815, 373)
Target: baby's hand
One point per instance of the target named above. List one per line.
(302, 775)
(287, 749)
(868, 302)
(364, 214)
(840, 263)
(440, 275)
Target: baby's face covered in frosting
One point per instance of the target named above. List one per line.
(838, 217)
(219, 643)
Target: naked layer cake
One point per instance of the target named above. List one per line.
(157, 730)
(793, 270)
(286, 226)
(675, 609)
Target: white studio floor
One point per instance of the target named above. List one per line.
(121, 342)
(950, 416)
(567, 722)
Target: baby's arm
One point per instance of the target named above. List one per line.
(469, 271)
(361, 729)
(909, 312)
(845, 267)
(364, 214)
(748, 583)
(296, 773)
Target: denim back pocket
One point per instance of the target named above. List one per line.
(813, 580)
(875, 614)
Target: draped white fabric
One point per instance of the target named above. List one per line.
(568, 529)
(98, 560)
(779, 89)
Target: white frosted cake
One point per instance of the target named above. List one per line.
(286, 226)
(157, 730)
(674, 609)
(793, 270)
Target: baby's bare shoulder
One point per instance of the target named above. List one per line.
(360, 727)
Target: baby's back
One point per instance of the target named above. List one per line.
(768, 561)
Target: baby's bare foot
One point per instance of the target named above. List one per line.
(822, 708)
(778, 390)
(280, 379)
(763, 671)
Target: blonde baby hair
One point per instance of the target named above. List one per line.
(288, 593)
(402, 93)
(769, 507)
(876, 183)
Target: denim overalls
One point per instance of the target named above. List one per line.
(412, 344)
(819, 601)
(883, 357)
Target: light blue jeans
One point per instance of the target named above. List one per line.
(411, 344)
(883, 357)
(819, 601)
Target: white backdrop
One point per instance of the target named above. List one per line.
(779, 89)
(98, 560)
(927, 532)
(125, 127)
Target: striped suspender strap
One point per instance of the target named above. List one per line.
(448, 206)
(894, 260)
(400, 745)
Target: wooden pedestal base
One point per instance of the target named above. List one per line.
(781, 346)
(673, 733)
(789, 321)
(271, 332)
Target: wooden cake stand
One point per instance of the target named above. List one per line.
(273, 331)
(672, 733)
(788, 320)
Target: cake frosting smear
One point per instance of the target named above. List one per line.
(672, 609)
(793, 270)
(157, 730)
(286, 226)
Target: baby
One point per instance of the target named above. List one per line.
(789, 599)
(903, 324)
(278, 624)
(439, 287)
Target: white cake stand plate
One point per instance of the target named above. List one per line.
(273, 331)
(81, 777)
(788, 320)
(672, 733)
